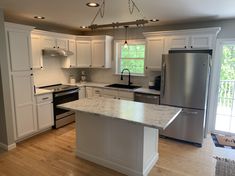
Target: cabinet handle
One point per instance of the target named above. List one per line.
(46, 98)
(34, 89)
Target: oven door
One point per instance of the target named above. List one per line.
(64, 97)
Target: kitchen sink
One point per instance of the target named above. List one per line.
(123, 86)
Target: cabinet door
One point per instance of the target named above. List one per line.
(97, 92)
(98, 53)
(48, 42)
(45, 115)
(62, 43)
(201, 41)
(107, 93)
(24, 104)
(125, 95)
(82, 92)
(89, 92)
(155, 48)
(83, 53)
(179, 42)
(36, 51)
(73, 58)
(19, 50)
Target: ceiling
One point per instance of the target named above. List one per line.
(75, 13)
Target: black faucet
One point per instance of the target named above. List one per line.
(129, 81)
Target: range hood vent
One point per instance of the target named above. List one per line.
(55, 52)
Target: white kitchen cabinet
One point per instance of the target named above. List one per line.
(109, 93)
(89, 92)
(71, 61)
(19, 50)
(97, 92)
(179, 42)
(24, 104)
(36, 51)
(45, 117)
(125, 95)
(53, 42)
(102, 51)
(154, 51)
(62, 43)
(83, 50)
(201, 41)
(82, 92)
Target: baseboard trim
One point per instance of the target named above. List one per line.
(151, 164)
(7, 147)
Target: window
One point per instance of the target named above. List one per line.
(131, 57)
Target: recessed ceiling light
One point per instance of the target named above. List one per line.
(92, 4)
(154, 20)
(83, 27)
(39, 17)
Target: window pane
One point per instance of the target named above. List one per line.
(133, 51)
(135, 66)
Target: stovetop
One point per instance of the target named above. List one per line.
(58, 87)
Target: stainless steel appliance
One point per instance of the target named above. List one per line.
(184, 83)
(63, 94)
(146, 98)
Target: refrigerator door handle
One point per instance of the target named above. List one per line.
(164, 78)
(190, 112)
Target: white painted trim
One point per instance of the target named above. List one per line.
(215, 82)
(18, 26)
(213, 30)
(7, 147)
(118, 167)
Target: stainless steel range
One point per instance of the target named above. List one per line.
(63, 94)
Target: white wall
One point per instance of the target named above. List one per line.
(53, 73)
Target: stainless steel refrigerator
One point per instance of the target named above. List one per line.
(184, 83)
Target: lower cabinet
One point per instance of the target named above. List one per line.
(45, 117)
(82, 92)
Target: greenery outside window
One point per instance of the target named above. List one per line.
(131, 57)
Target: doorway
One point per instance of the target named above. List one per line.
(225, 111)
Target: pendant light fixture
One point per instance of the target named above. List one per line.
(125, 43)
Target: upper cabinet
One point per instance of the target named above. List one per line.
(101, 51)
(154, 51)
(83, 49)
(54, 42)
(20, 50)
(159, 43)
(71, 61)
(36, 51)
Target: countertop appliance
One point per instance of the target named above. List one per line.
(146, 98)
(184, 83)
(63, 94)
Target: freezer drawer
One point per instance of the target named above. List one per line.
(188, 126)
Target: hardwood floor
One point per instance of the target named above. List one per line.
(52, 154)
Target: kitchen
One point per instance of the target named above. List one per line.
(34, 105)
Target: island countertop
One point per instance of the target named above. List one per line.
(151, 115)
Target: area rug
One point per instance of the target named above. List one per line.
(224, 167)
(223, 141)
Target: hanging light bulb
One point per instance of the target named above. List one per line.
(125, 43)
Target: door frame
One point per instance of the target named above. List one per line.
(215, 80)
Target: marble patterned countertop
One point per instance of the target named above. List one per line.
(155, 116)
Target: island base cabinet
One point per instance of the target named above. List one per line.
(123, 146)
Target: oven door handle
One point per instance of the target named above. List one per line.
(65, 93)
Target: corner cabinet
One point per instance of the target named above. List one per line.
(22, 90)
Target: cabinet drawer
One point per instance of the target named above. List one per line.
(126, 95)
(97, 92)
(44, 98)
(109, 92)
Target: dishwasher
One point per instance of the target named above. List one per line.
(147, 98)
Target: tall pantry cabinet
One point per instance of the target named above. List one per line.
(20, 56)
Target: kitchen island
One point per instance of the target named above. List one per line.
(119, 134)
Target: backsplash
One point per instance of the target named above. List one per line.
(53, 73)
(108, 76)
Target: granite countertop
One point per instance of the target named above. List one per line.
(155, 116)
(42, 91)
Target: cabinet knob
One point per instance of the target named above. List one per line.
(58, 47)
(146, 68)
(70, 66)
(102, 65)
(89, 65)
(191, 46)
(31, 74)
(54, 47)
(185, 46)
(31, 68)
(41, 67)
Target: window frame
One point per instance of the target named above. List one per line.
(117, 55)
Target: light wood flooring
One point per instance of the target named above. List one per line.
(53, 154)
